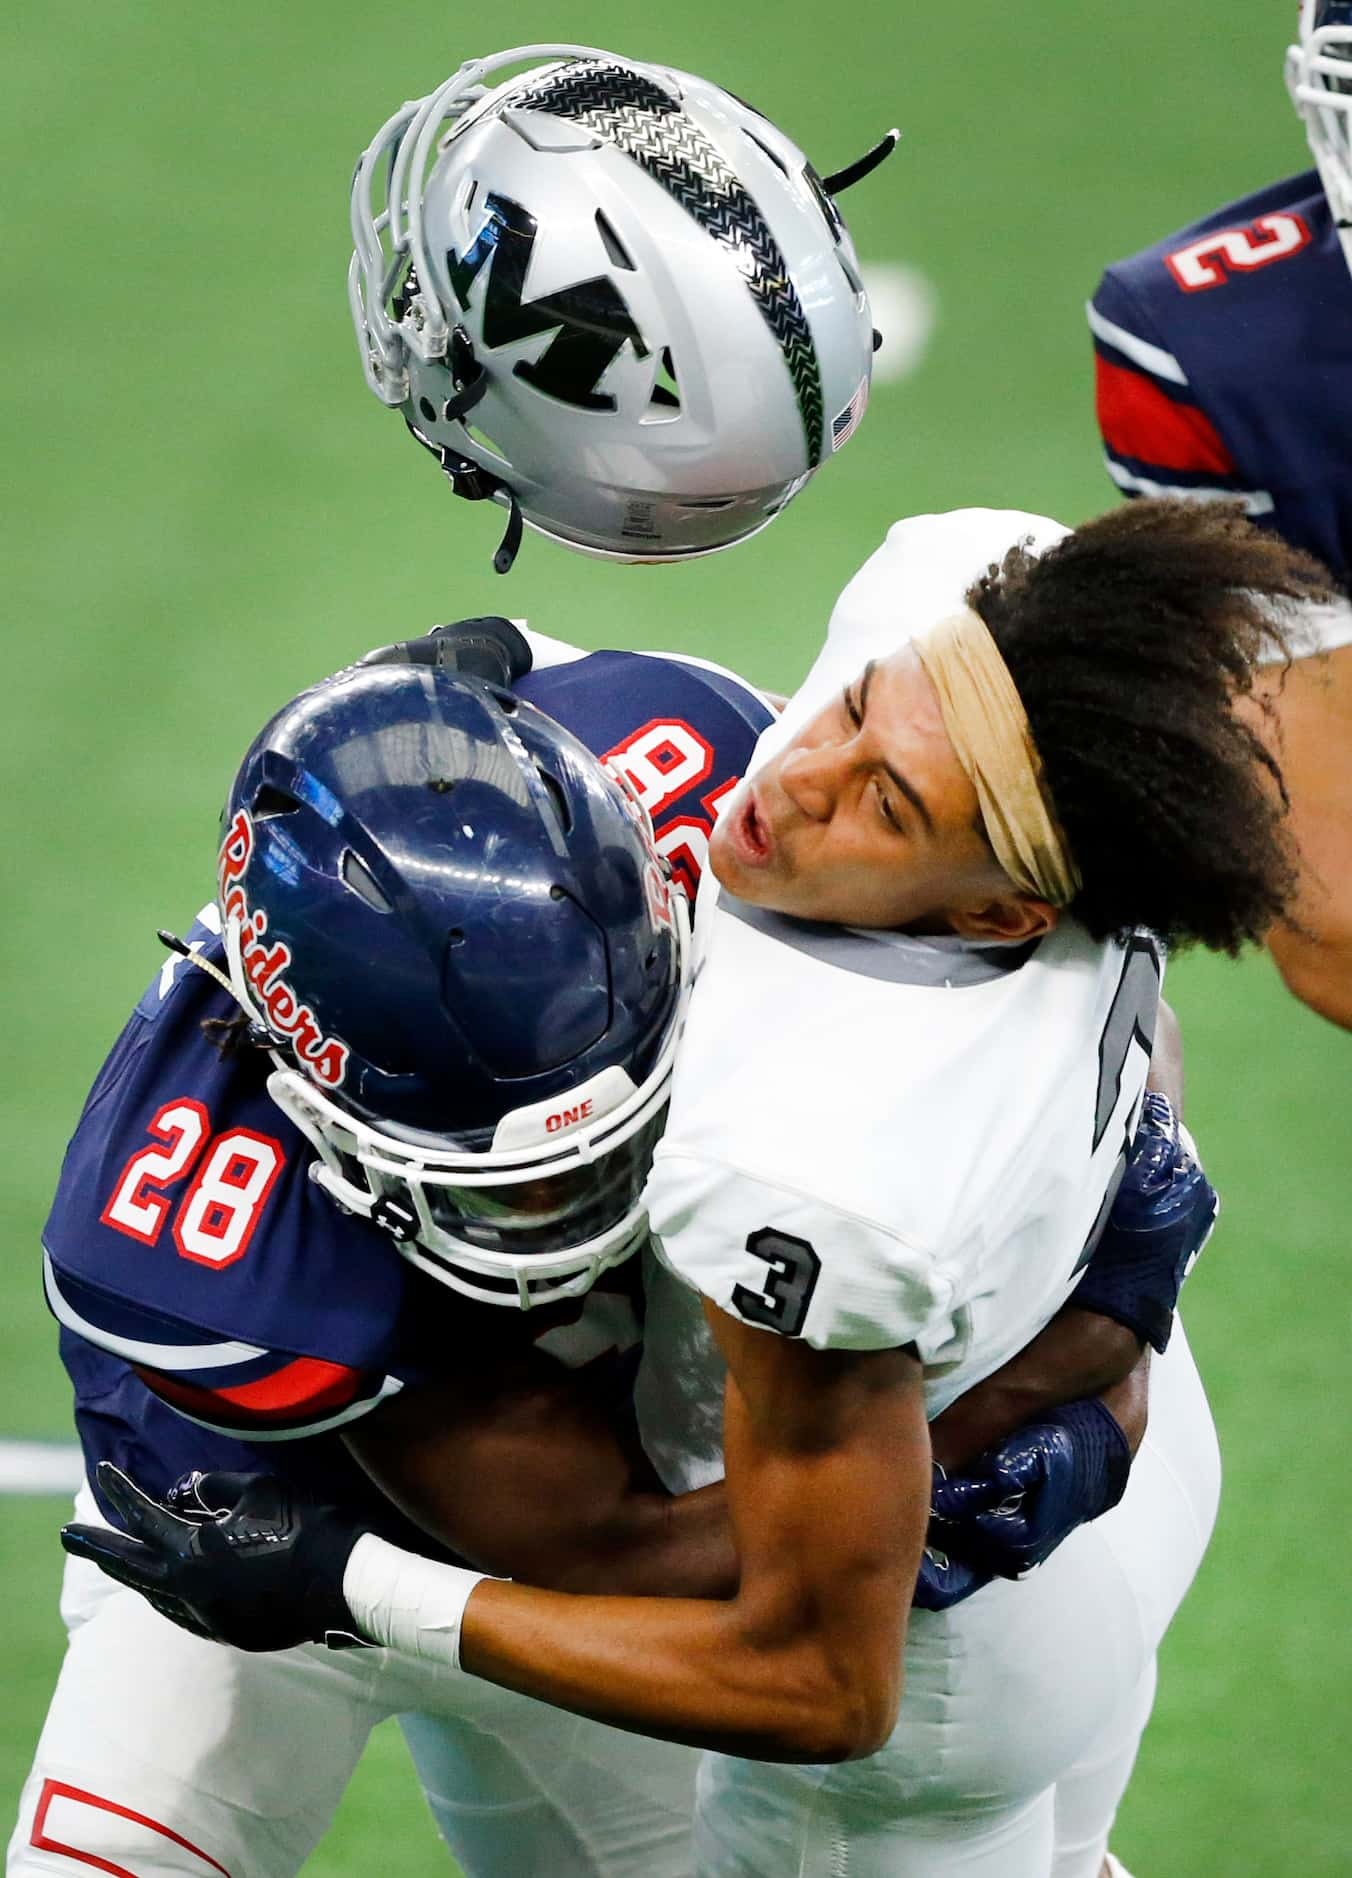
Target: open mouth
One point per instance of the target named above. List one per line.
(751, 837)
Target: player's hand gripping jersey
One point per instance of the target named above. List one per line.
(211, 1297)
(1224, 367)
(878, 1140)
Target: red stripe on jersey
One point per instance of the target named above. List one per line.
(1137, 420)
(58, 1790)
(305, 1386)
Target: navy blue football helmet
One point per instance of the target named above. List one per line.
(453, 925)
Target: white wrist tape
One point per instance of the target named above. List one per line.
(408, 1603)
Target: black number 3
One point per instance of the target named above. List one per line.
(789, 1283)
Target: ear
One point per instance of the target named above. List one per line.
(1006, 917)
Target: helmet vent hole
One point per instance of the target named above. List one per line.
(358, 876)
(766, 151)
(711, 502)
(270, 802)
(428, 409)
(456, 936)
(666, 391)
(610, 241)
(816, 188)
(556, 892)
(554, 790)
(850, 273)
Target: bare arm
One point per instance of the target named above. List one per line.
(523, 1469)
(1166, 1059)
(527, 1473)
(1079, 1354)
(828, 1488)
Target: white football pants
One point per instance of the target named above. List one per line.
(164, 1756)
(1022, 1708)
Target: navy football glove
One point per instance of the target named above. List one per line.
(1161, 1218)
(490, 648)
(239, 1558)
(944, 1579)
(1014, 1506)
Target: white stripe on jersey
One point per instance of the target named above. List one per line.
(1256, 501)
(237, 1431)
(1153, 359)
(165, 1356)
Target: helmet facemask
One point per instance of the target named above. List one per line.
(536, 1217)
(1319, 78)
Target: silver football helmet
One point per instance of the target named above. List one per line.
(1319, 78)
(610, 296)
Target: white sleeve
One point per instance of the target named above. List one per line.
(1310, 627)
(546, 651)
(788, 1262)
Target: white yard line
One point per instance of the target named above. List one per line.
(40, 1467)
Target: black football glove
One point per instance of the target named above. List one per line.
(240, 1558)
(1011, 1508)
(490, 648)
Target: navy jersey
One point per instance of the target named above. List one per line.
(1224, 365)
(213, 1299)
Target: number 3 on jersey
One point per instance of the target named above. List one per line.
(791, 1278)
(216, 1217)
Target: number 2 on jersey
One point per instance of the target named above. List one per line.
(1211, 261)
(218, 1213)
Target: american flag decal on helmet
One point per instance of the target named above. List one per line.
(649, 125)
(844, 426)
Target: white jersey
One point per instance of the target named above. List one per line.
(877, 1140)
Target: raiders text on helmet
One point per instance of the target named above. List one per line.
(456, 932)
(612, 296)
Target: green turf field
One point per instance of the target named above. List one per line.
(205, 509)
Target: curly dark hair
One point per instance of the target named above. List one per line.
(1130, 643)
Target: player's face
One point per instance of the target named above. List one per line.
(867, 818)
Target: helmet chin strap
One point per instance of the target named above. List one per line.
(258, 1033)
(477, 484)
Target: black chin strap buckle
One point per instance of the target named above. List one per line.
(476, 484)
(471, 380)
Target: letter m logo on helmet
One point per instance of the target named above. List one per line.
(591, 320)
(636, 284)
